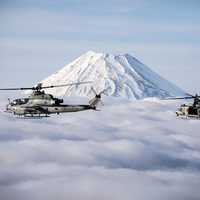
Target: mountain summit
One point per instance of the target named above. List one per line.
(123, 76)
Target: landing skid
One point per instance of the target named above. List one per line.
(189, 117)
(32, 117)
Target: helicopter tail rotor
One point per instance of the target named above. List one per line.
(97, 99)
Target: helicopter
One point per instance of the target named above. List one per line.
(40, 104)
(191, 110)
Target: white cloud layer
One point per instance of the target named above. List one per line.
(128, 150)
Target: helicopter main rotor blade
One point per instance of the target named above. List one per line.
(177, 98)
(190, 95)
(45, 87)
(32, 88)
(63, 85)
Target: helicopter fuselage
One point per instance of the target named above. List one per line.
(41, 104)
(46, 109)
(189, 110)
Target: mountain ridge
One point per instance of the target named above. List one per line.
(122, 75)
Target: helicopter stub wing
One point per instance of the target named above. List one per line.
(36, 108)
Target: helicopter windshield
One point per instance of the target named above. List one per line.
(19, 101)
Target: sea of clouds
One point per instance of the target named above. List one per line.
(128, 150)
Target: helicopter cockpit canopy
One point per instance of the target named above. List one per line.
(19, 101)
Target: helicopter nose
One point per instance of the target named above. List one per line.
(8, 107)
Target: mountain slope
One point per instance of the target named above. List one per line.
(122, 75)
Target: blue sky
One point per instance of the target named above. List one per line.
(39, 37)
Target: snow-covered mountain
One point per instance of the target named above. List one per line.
(123, 76)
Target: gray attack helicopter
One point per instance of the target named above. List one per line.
(191, 110)
(40, 104)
